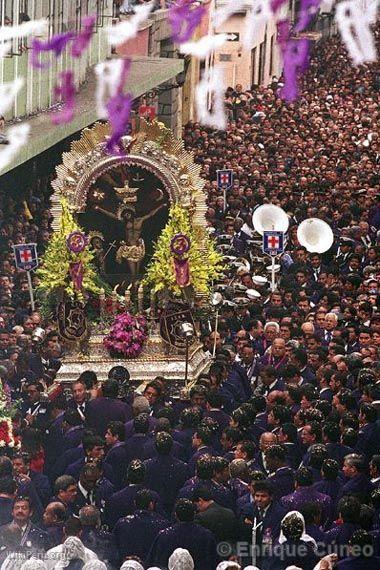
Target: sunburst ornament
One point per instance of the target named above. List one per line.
(153, 148)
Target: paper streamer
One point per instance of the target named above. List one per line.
(66, 91)
(56, 44)
(127, 30)
(276, 5)
(17, 137)
(202, 48)
(4, 49)
(354, 25)
(82, 40)
(256, 18)
(295, 57)
(210, 93)
(111, 77)
(8, 92)
(119, 111)
(25, 29)
(308, 11)
(222, 14)
(184, 17)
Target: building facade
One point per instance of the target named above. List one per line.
(251, 67)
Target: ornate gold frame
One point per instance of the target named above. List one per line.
(154, 148)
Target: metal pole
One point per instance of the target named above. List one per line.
(186, 361)
(215, 332)
(30, 289)
(273, 275)
(254, 540)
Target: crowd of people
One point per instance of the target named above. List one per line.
(274, 458)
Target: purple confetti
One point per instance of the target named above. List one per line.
(65, 91)
(119, 110)
(295, 56)
(82, 40)
(283, 32)
(56, 44)
(184, 17)
(276, 5)
(308, 11)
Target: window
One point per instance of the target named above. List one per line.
(225, 57)
(271, 56)
(253, 66)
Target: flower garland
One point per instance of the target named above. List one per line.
(127, 336)
(7, 438)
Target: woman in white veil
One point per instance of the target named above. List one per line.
(181, 559)
(131, 565)
(294, 547)
(33, 564)
(73, 552)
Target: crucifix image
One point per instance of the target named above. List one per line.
(132, 248)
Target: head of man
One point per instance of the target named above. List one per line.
(275, 457)
(311, 434)
(93, 447)
(115, 433)
(22, 511)
(278, 348)
(89, 476)
(353, 465)
(267, 439)
(268, 375)
(271, 330)
(54, 514)
(331, 322)
(262, 493)
(152, 392)
(78, 390)
(65, 489)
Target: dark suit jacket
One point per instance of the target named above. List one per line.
(37, 538)
(117, 459)
(166, 475)
(361, 563)
(129, 429)
(271, 521)
(359, 486)
(282, 481)
(101, 411)
(199, 541)
(75, 468)
(42, 485)
(122, 504)
(102, 493)
(222, 522)
(135, 534)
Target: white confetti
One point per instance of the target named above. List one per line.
(108, 74)
(33, 27)
(202, 48)
(17, 137)
(222, 14)
(259, 14)
(8, 92)
(127, 30)
(354, 24)
(209, 98)
(4, 49)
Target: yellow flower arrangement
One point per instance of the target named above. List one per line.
(54, 271)
(205, 262)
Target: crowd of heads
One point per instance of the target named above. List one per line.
(283, 426)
